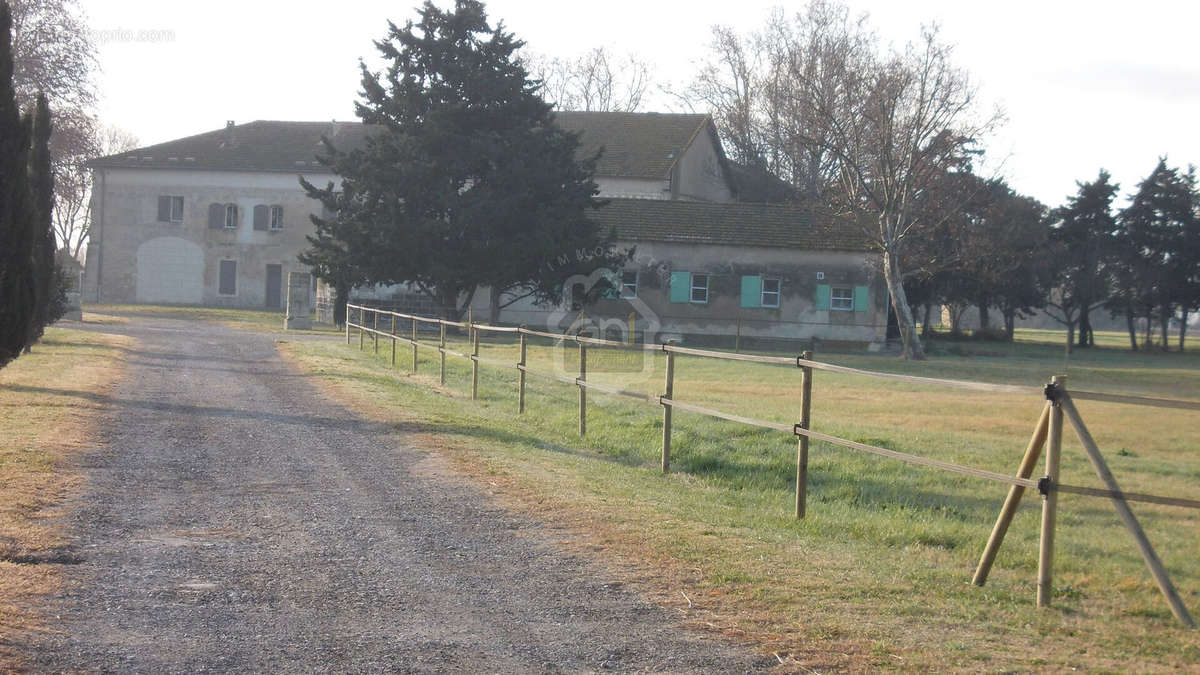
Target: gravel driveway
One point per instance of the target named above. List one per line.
(235, 520)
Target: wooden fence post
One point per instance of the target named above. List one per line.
(442, 350)
(1032, 453)
(1131, 522)
(475, 364)
(362, 321)
(1045, 589)
(414, 345)
(737, 340)
(582, 389)
(521, 375)
(806, 374)
(346, 320)
(669, 390)
(393, 340)
(375, 329)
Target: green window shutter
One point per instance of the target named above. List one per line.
(613, 291)
(681, 286)
(164, 209)
(752, 291)
(860, 298)
(823, 293)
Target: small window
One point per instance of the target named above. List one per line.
(231, 216)
(227, 284)
(699, 288)
(170, 209)
(770, 292)
(629, 283)
(842, 297)
(276, 218)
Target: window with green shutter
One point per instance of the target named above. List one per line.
(751, 291)
(860, 298)
(823, 294)
(681, 286)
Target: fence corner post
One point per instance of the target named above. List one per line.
(806, 374)
(521, 373)
(668, 392)
(1045, 578)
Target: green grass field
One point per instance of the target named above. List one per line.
(878, 575)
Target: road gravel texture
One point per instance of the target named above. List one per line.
(236, 520)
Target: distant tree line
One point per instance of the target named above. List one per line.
(31, 288)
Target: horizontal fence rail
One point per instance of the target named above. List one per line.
(1048, 486)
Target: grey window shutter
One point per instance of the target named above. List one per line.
(216, 216)
(260, 217)
(164, 209)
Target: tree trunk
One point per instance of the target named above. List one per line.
(1166, 325)
(926, 331)
(1183, 316)
(494, 305)
(984, 323)
(1149, 329)
(1010, 324)
(1085, 328)
(1129, 323)
(1070, 337)
(341, 296)
(908, 334)
(956, 315)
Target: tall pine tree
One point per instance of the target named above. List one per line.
(1082, 241)
(1156, 253)
(467, 181)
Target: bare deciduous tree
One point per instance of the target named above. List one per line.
(73, 189)
(864, 129)
(595, 80)
(54, 54)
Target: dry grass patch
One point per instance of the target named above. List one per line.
(43, 423)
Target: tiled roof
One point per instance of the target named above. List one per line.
(735, 224)
(256, 146)
(636, 145)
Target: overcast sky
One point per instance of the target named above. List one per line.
(1084, 85)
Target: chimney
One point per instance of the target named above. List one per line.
(228, 125)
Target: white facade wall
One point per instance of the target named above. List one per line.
(135, 258)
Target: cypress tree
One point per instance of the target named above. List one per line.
(41, 183)
(16, 244)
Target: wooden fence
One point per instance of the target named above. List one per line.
(1047, 433)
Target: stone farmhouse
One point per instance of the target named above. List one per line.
(217, 219)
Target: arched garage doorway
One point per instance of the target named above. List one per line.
(170, 270)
